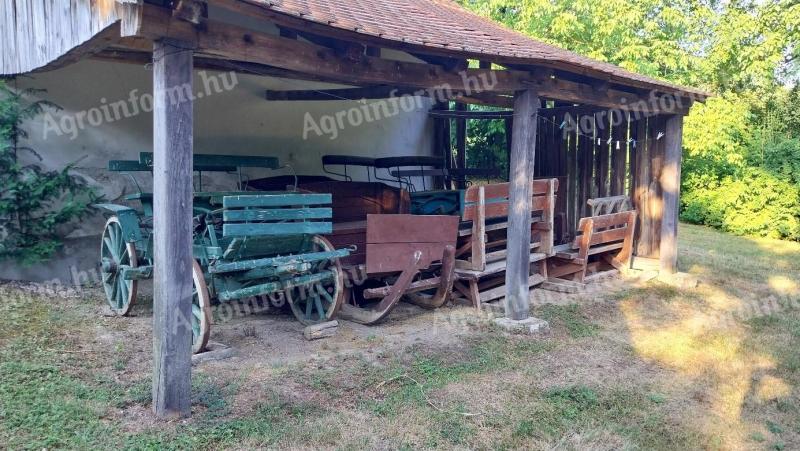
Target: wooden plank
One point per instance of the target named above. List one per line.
(478, 259)
(316, 95)
(500, 208)
(275, 200)
(383, 258)
(276, 229)
(412, 229)
(655, 193)
(671, 188)
(572, 182)
(277, 214)
(461, 145)
(501, 190)
(172, 224)
(603, 156)
(641, 189)
(499, 292)
(619, 153)
(523, 151)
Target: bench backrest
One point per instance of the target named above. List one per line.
(608, 205)
(392, 240)
(496, 199)
(276, 215)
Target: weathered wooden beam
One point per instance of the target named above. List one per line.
(464, 114)
(523, 150)
(671, 188)
(370, 92)
(126, 56)
(172, 228)
(234, 43)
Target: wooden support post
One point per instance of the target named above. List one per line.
(509, 125)
(439, 146)
(172, 228)
(461, 144)
(671, 187)
(523, 151)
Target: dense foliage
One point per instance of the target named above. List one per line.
(34, 203)
(742, 148)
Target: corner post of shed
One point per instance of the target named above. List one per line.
(172, 227)
(671, 188)
(523, 152)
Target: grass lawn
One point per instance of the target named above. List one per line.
(641, 366)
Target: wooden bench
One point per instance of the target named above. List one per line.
(603, 247)
(481, 251)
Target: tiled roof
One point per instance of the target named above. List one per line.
(442, 24)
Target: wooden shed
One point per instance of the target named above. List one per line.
(602, 130)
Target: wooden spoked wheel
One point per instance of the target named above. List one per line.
(115, 256)
(319, 302)
(201, 310)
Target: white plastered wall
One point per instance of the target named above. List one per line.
(238, 121)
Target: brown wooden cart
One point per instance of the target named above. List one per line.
(396, 256)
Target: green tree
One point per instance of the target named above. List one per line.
(746, 52)
(34, 203)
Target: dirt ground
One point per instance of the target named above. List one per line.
(630, 364)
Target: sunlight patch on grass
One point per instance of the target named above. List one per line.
(784, 285)
(703, 342)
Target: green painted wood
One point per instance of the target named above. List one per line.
(264, 273)
(311, 257)
(128, 166)
(275, 200)
(211, 161)
(273, 287)
(277, 229)
(138, 273)
(277, 214)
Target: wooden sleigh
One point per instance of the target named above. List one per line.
(481, 252)
(603, 247)
(395, 255)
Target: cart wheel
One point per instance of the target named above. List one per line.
(201, 310)
(115, 256)
(318, 303)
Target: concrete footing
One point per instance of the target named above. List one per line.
(528, 325)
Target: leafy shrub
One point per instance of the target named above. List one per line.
(34, 203)
(783, 160)
(753, 202)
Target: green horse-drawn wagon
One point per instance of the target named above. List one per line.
(246, 245)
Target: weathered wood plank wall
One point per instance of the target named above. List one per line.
(37, 33)
(599, 154)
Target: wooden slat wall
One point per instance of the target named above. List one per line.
(35, 33)
(589, 166)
